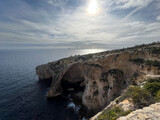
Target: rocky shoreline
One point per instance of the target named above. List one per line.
(97, 79)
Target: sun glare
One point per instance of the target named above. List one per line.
(93, 7)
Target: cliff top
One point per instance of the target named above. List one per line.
(144, 47)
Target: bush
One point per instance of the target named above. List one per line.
(139, 96)
(153, 63)
(138, 61)
(155, 50)
(153, 86)
(113, 114)
(153, 80)
(158, 96)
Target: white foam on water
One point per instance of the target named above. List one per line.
(84, 118)
(72, 105)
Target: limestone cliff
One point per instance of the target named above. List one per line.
(102, 76)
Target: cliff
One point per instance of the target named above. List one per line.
(97, 79)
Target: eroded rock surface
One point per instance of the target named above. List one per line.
(147, 113)
(101, 77)
(126, 105)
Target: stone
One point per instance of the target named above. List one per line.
(147, 113)
(126, 105)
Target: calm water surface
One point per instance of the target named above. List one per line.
(22, 96)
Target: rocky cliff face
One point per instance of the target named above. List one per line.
(101, 77)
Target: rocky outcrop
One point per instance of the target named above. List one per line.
(147, 113)
(101, 77)
(126, 105)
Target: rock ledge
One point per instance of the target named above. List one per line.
(147, 113)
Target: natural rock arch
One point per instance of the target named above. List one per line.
(73, 79)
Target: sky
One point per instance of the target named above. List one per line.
(71, 24)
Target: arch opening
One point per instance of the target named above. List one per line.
(73, 80)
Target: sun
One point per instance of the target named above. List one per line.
(92, 7)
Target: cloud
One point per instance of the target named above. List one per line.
(49, 26)
(132, 6)
(158, 18)
(57, 3)
(126, 4)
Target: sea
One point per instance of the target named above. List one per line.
(22, 95)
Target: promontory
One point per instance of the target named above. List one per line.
(97, 79)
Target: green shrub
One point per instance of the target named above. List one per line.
(113, 114)
(139, 96)
(153, 63)
(155, 50)
(138, 61)
(152, 87)
(158, 96)
(153, 80)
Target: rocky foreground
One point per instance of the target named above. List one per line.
(147, 113)
(151, 112)
(97, 79)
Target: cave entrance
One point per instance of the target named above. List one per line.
(73, 80)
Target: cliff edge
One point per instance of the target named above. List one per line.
(147, 113)
(97, 79)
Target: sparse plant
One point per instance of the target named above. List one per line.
(153, 86)
(139, 96)
(138, 61)
(157, 98)
(113, 114)
(155, 50)
(154, 63)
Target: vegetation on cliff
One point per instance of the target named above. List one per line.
(155, 50)
(153, 86)
(158, 96)
(144, 96)
(113, 114)
(140, 61)
(139, 96)
(154, 63)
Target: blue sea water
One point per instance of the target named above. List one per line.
(22, 96)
